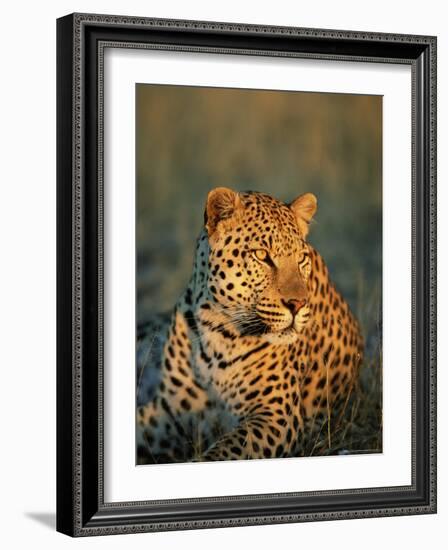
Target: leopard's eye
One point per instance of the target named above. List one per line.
(260, 254)
(304, 264)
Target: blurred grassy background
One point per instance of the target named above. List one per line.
(191, 139)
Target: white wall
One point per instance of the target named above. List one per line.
(27, 221)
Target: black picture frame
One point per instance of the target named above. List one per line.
(81, 510)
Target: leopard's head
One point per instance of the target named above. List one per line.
(259, 264)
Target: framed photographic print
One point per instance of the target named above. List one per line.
(246, 274)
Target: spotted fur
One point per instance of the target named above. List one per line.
(260, 347)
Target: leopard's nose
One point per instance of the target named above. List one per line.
(294, 306)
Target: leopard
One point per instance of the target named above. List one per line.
(260, 350)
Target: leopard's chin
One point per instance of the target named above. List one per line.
(284, 337)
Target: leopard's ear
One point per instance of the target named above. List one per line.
(304, 208)
(222, 203)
